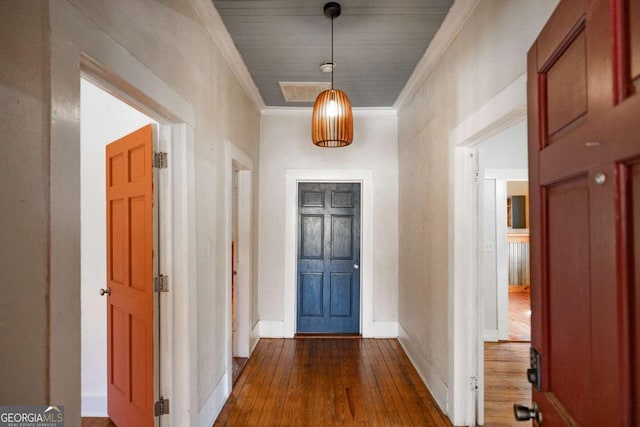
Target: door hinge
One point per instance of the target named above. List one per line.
(161, 283)
(473, 382)
(160, 160)
(161, 407)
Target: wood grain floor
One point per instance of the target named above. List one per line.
(330, 382)
(519, 316)
(505, 366)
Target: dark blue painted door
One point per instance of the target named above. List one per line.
(328, 258)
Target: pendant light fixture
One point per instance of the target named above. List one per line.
(332, 120)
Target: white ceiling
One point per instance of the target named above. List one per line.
(378, 44)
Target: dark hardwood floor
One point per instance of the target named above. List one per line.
(363, 382)
(505, 382)
(330, 382)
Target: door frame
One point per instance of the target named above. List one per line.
(122, 75)
(236, 159)
(368, 328)
(501, 176)
(466, 323)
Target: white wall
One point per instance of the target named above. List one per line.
(506, 149)
(285, 143)
(175, 45)
(103, 119)
(486, 56)
(24, 202)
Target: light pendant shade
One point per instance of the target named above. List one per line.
(332, 120)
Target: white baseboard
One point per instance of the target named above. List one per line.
(214, 404)
(271, 329)
(254, 337)
(94, 405)
(434, 383)
(382, 330)
(490, 335)
(275, 329)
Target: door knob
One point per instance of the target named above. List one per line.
(524, 413)
(356, 266)
(105, 291)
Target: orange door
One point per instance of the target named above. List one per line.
(130, 280)
(584, 160)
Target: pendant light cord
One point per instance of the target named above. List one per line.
(333, 64)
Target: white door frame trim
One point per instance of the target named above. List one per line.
(78, 45)
(363, 176)
(236, 159)
(465, 326)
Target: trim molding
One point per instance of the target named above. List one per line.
(437, 387)
(94, 405)
(277, 329)
(306, 111)
(451, 26)
(221, 37)
(214, 404)
(363, 176)
(491, 335)
(505, 109)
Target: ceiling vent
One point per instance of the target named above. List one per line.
(303, 91)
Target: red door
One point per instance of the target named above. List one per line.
(129, 278)
(584, 159)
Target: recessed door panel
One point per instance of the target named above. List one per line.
(311, 297)
(569, 295)
(342, 237)
(312, 236)
(341, 293)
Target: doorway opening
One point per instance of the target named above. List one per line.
(238, 361)
(519, 298)
(503, 237)
(104, 119)
(239, 195)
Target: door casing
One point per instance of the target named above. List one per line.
(368, 327)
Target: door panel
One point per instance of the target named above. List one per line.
(130, 279)
(568, 281)
(328, 258)
(583, 127)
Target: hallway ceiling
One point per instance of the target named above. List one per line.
(377, 44)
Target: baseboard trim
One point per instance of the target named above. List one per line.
(383, 330)
(214, 404)
(275, 329)
(431, 379)
(272, 329)
(94, 405)
(490, 335)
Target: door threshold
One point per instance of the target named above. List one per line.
(321, 335)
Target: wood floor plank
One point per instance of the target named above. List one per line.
(330, 382)
(505, 366)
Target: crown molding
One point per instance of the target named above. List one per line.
(306, 111)
(451, 26)
(218, 31)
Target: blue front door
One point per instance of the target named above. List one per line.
(328, 289)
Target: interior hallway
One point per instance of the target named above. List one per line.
(330, 381)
